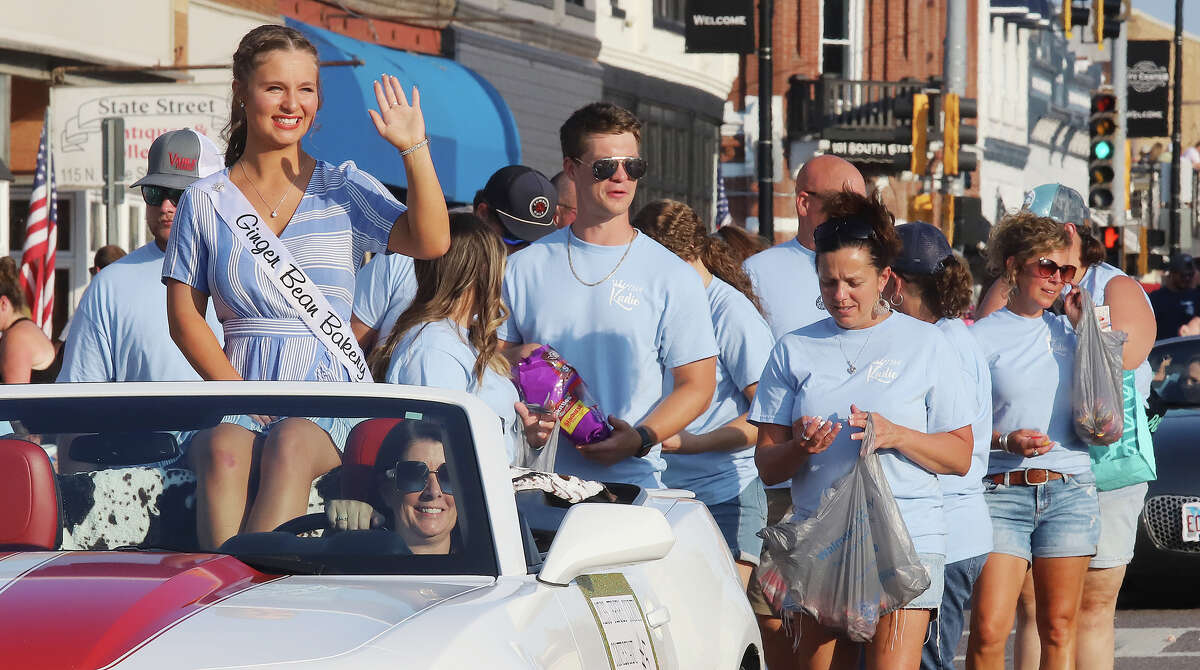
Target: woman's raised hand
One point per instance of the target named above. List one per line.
(398, 122)
(812, 434)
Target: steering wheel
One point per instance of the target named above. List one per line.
(306, 523)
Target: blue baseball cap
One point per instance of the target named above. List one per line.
(1058, 202)
(924, 250)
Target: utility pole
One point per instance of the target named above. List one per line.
(1177, 127)
(1120, 84)
(766, 162)
(954, 67)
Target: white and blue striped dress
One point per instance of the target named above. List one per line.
(343, 214)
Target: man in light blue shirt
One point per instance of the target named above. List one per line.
(119, 331)
(618, 306)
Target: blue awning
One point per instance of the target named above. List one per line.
(472, 133)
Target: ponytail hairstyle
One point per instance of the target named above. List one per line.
(472, 270)
(947, 293)
(246, 59)
(1091, 249)
(10, 285)
(676, 226)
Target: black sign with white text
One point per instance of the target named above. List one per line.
(719, 26)
(1149, 82)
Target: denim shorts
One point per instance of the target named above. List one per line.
(1119, 512)
(1053, 520)
(740, 519)
(779, 507)
(931, 599)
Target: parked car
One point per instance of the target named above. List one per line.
(1167, 554)
(101, 569)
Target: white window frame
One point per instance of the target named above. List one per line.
(854, 31)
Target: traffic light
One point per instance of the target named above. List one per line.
(914, 109)
(957, 135)
(1102, 128)
(1112, 238)
(1108, 20)
(1074, 15)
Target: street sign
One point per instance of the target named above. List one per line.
(719, 26)
(1148, 89)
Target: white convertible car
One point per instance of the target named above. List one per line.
(470, 564)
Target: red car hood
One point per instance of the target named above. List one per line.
(85, 610)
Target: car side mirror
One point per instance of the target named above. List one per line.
(595, 535)
(117, 449)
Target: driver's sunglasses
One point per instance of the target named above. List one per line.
(1046, 268)
(828, 235)
(412, 476)
(605, 168)
(154, 195)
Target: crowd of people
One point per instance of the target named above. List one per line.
(744, 373)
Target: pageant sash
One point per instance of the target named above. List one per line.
(292, 282)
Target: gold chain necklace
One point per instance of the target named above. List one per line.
(286, 191)
(571, 263)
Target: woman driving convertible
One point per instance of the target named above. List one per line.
(412, 492)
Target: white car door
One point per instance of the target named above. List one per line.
(619, 622)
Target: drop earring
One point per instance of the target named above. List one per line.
(820, 304)
(882, 307)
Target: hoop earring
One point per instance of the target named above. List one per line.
(897, 299)
(820, 304)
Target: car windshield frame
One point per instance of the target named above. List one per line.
(62, 410)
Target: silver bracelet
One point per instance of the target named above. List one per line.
(414, 147)
(1003, 442)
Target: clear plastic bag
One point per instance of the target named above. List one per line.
(849, 564)
(1096, 401)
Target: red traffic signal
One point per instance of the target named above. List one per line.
(1104, 102)
(1111, 237)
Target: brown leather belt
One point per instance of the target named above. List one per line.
(1030, 477)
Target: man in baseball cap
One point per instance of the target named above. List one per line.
(119, 331)
(519, 203)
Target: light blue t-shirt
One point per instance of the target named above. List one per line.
(743, 344)
(1032, 361)
(119, 332)
(901, 373)
(968, 521)
(438, 354)
(383, 289)
(785, 281)
(623, 335)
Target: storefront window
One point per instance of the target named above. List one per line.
(835, 39)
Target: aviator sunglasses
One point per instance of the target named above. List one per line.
(1046, 268)
(154, 195)
(411, 477)
(605, 168)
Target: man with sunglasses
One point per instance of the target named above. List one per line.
(119, 330)
(628, 314)
(1175, 302)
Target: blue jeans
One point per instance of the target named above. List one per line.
(740, 519)
(960, 581)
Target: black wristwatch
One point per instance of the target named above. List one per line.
(648, 441)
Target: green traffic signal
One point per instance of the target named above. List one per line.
(1102, 150)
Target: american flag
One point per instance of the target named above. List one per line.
(724, 218)
(41, 239)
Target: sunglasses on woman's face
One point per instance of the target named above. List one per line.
(412, 477)
(1046, 268)
(605, 168)
(154, 195)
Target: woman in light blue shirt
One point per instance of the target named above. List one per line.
(829, 375)
(1039, 488)
(447, 336)
(934, 285)
(714, 455)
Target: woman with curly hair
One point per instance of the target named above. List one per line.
(933, 284)
(1039, 488)
(447, 336)
(865, 363)
(714, 455)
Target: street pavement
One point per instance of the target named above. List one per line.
(1147, 639)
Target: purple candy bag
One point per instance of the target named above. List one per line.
(548, 384)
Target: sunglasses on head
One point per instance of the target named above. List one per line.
(1046, 268)
(154, 195)
(412, 476)
(828, 235)
(605, 168)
